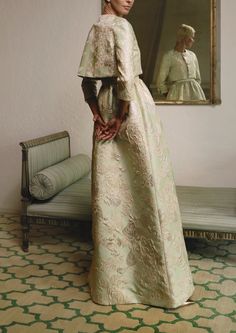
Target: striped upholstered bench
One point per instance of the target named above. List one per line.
(208, 212)
(69, 204)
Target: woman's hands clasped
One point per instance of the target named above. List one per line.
(106, 131)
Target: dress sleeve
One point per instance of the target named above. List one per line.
(124, 41)
(162, 86)
(89, 87)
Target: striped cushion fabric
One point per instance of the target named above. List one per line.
(45, 155)
(73, 203)
(48, 182)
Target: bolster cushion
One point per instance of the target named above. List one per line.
(48, 182)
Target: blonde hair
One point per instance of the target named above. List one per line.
(184, 30)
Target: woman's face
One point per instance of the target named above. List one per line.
(189, 40)
(121, 7)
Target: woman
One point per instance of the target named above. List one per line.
(139, 249)
(179, 76)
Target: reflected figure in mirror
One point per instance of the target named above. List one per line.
(179, 76)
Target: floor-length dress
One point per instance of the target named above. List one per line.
(139, 249)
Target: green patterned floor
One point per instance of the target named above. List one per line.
(46, 291)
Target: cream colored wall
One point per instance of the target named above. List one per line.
(41, 45)
(40, 50)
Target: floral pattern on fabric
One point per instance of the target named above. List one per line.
(139, 249)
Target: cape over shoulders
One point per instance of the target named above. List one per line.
(173, 52)
(110, 18)
(115, 23)
(110, 42)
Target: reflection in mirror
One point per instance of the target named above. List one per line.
(177, 43)
(178, 77)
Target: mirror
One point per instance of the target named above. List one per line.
(171, 75)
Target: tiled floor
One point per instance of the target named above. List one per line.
(46, 291)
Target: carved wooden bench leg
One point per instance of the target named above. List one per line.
(25, 229)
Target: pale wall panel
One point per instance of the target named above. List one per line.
(41, 45)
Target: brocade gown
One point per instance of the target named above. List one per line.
(139, 249)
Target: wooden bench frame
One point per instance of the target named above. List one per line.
(27, 199)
